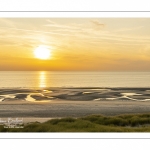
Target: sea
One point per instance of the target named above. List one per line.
(43, 79)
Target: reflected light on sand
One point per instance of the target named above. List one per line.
(42, 79)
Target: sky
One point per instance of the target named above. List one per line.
(76, 44)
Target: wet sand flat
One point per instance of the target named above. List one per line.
(42, 104)
(75, 94)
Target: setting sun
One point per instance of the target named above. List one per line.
(42, 52)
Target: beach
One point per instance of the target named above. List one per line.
(59, 109)
(44, 104)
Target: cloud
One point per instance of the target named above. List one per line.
(62, 26)
(51, 22)
(75, 33)
(97, 24)
(129, 29)
(7, 22)
(30, 32)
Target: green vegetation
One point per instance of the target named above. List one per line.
(93, 123)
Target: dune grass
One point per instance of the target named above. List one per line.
(93, 123)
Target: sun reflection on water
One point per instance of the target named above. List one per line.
(42, 79)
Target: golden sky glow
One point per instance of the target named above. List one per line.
(83, 44)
